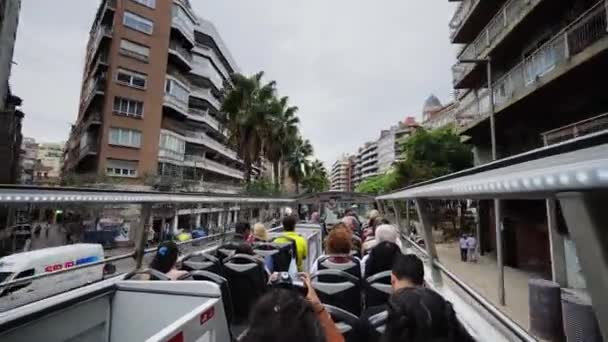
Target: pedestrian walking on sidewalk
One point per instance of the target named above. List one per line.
(463, 247)
(472, 248)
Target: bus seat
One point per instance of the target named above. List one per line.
(247, 279)
(352, 266)
(343, 291)
(224, 288)
(227, 250)
(281, 254)
(377, 289)
(202, 262)
(345, 321)
(378, 321)
(146, 274)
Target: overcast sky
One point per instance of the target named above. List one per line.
(353, 67)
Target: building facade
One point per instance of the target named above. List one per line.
(10, 115)
(545, 59)
(342, 174)
(151, 92)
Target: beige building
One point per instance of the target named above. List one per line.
(151, 92)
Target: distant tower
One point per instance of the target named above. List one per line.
(431, 106)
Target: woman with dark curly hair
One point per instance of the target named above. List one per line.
(422, 315)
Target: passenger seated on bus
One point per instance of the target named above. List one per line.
(385, 232)
(289, 234)
(338, 244)
(246, 248)
(407, 272)
(286, 316)
(352, 224)
(260, 233)
(422, 315)
(242, 232)
(315, 217)
(165, 259)
(381, 258)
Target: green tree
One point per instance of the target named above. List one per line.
(283, 129)
(316, 179)
(297, 159)
(246, 115)
(430, 154)
(379, 184)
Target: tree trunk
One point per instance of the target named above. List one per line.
(247, 161)
(277, 180)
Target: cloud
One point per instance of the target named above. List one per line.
(352, 67)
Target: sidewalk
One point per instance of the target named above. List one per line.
(483, 277)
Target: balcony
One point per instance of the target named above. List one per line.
(176, 103)
(183, 24)
(203, 139)
(553, 59)
(206, 95)
(181, 56)
(94, 44)
(211, 55)
(205, 117)
(170, 155)
(577, 129)
(94, 87)
(508, 17)
(210, 165)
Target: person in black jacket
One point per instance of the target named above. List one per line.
(407, 272)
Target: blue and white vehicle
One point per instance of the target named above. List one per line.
(48, 260)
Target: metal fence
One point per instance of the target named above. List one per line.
(577, 129)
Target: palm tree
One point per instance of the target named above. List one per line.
(316, 179)
(284, 127)
(245, 114)
(298, 163)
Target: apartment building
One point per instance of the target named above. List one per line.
(545, 62)
(368, 159)
(151, 92)
(10, 115)
(341, 174)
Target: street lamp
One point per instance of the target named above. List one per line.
(497, 209)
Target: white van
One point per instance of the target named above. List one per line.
(48, 260)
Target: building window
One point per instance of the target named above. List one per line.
(121, 168)
(125, 137)
(172, 143)
(134, 50)
(128, 107)
(131, 78)
(177, 89)
(147, 3)
(138, 23)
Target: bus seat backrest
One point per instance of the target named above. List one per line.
(352, 266)
(378, 321)
(345, 321)
(202, 262)
(247, 279)
(378, 289)
(282, 254)
(338, 288)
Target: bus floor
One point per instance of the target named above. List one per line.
(483, 277)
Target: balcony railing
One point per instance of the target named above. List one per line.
(185, 26)
(182, 52)
(462, 12)
(205, 94)
(200, 161)
(503, 22)
(203, 115)
(95, 86)
(204, 139)
(176, 102)
(577, 129)
(170, 154)
(587, 29)
(584, 31)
